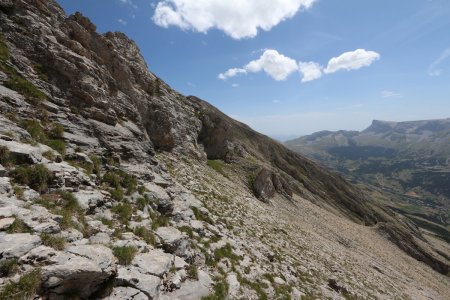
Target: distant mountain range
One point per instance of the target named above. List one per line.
(408, 160)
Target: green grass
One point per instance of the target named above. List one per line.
(65, 204)
(56, 242)
(199, 215)
(145, 234)
(120, 179)
(192, 272)
(159, 221)
(24, 87)
(40, 135)
(8, 267)
(123, 211)
(19, 226)
(116, 193)
(220, 290)
(37, 177)
(4, 52)
(25, 288)
(49, 155)
(218, 166)
(6, 158)
(125, 254)
(258, 286)
(107, 222)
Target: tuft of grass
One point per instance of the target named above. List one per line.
(258, 286)
(226, 252)
(36, 130)
(192, 272)
(56, 242)
(8, 267)
(142, 202)
(25, 288)
(199, 215)
(220, 290)
(49, 155)
(19, 226)
(188, 230)
(58, 145)
(218, 166)
(120, 179)
(37, 177)
(24, 87)
(123, 211)
(125, 254)
(117, 193)
(6, 158)
(159, 221)
(4, 52)
(96, 164)
(107, 222)
(147, 235)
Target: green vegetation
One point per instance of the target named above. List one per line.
(117, 193)
(188, 230)
(124, 211)
(4, 53)
(125, 254)
(6, 159)
(282, 291)
(201, 216)
(53, 139)
(159, 221)
(25, 288)
(56, 242)
(142, 202)
(192, 272)
(49, 155)
(119, 179)
(37, 177)
(220, 289)
(258, 286)
(15, 80)
(107, 222)
(145, 234)
(8, 267)
(19, 226)
(65, 204)
(218, 166)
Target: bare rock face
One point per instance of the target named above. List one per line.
(266, 183)
(80, 269)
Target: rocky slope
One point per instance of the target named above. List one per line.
(115, 186)
(407, 160)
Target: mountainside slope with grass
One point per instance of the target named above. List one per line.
(115, 186)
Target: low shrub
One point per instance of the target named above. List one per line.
(124, 211)
(19, 226)
(125, 254)
(37, 177)
(8, 267)
(54, 241)
(147, 235)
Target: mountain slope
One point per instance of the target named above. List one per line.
(407, 159)
(100, 153)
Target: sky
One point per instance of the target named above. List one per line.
(293, 67)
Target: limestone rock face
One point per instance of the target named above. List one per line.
(81, 269)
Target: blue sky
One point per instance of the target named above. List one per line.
(303, 72)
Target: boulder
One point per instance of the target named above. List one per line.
(131, 276)
(80, 269)
(263, 187)
(157, 193)
(6, 223)
(121, 293)
(2, 171)
(155, 262)
(173, 240)
(17, 244)
(89, 199)
(192, 290)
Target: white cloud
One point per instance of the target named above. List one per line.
(231, 73)
(123, 22)
(433, 68)
(279, 67)
(390, 94)
(275, 101)
(238, 19)
(351, 61)
(310, 71)
(276, 65)
(235, 85)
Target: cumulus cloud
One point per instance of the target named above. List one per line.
(352, 60)
(121, 21)
(310, 71)
(276, 65)
(279, 67)
(238, 19)
(129, 2)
